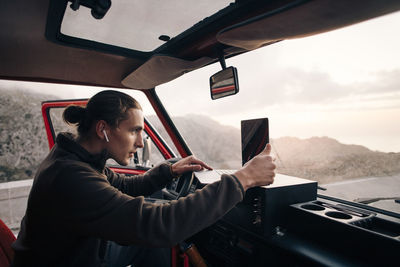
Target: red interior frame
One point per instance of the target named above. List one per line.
(164, 117)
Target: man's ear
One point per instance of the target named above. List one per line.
(102, 130)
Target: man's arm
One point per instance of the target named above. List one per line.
(88, 205)
(143, 184)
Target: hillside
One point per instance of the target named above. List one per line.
(218, 145)
(23, 145)
(318, 158)
(23, 142)
(326, 160)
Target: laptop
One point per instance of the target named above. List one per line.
(254, 138)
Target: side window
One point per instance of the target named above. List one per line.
(148, 156)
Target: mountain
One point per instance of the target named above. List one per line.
(218, 145)
(23, 145)
(322, 159)
(326, 160)
(23, 142)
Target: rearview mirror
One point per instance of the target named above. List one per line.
(224, 83)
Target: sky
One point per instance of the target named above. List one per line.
(344, 84)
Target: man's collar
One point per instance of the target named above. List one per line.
(67, 141)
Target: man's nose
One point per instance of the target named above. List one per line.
(139, 141)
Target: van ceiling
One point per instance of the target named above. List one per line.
(32, 47)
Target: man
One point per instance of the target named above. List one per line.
(76, 203)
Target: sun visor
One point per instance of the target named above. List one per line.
(160, 69)
(296, 21)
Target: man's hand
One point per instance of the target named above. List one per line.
(188, 164)
(260, 170)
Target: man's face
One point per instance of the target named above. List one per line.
(127, 137)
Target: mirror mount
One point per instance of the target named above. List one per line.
(222, 60)
(225, 82)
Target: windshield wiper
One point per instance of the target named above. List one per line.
(375, 199)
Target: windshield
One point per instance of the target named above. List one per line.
(332, 100)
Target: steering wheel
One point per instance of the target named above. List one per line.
(180, 186)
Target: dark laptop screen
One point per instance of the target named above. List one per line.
(255, 136)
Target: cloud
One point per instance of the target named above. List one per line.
(287, 88)
(293, 86)
(383, 82)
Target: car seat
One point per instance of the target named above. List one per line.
(6, 239)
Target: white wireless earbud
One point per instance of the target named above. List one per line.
(105, 135)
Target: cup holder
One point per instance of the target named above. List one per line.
(312, 207)
(338, 215)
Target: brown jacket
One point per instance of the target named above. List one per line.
(76, 201)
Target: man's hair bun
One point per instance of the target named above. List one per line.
(74, 114)
(110, 106)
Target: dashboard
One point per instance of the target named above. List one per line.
(290, 224)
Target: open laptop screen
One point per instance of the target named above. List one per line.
(255, 136)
